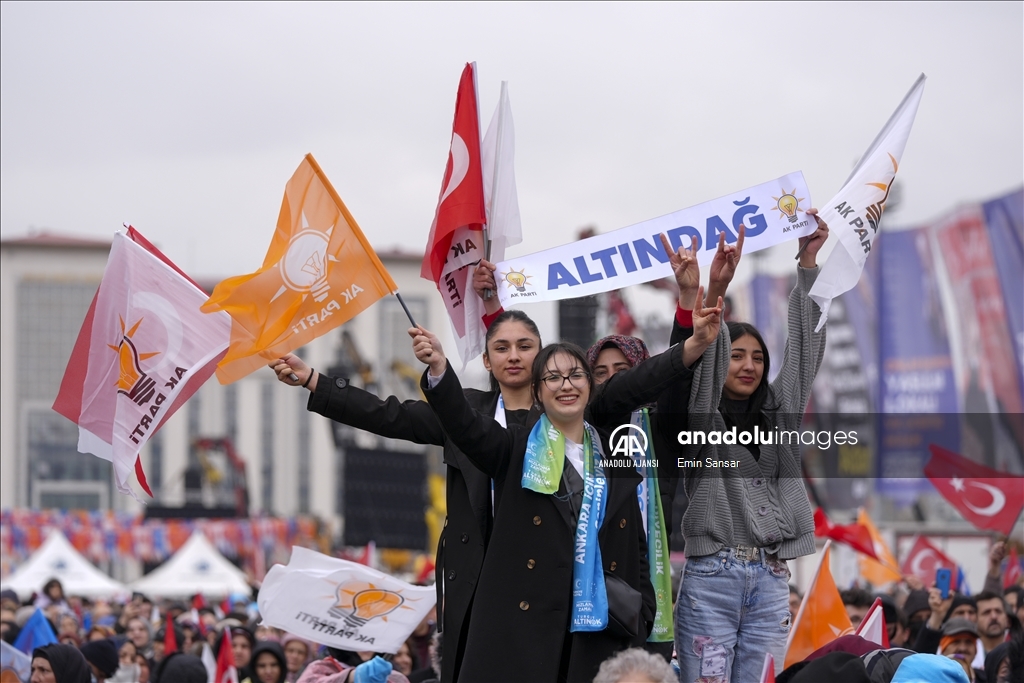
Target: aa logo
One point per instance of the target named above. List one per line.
(629, 441)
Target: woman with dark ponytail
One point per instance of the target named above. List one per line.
(512, 343)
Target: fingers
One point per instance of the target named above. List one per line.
(739, 240)
(484, 263)
(698, 304)
(693, 246)
(667, 246)
(721, 242)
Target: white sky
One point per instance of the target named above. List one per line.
(187, 120)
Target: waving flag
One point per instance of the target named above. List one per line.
(226, 671)
(923, 559)
(987, 498)
(504, 227)
(143, 350)
(854, 213)
(36, 632)
(342, 604)
(456, 236)
(884, 569)
(318, 273)
(854, 535)
(873, 627)
(822, 616)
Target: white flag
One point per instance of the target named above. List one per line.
(854, 213)
(342, 604)
(504, 227)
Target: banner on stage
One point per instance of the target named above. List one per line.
(342, 604)
(773, 212)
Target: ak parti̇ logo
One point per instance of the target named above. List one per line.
(517, 279)
(357, 602)
(132, 380)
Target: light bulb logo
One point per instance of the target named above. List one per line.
(370, 603)
(788, 204)
(517, 279)
(131, 380)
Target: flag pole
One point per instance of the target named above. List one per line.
(488, 293)
(405, 308)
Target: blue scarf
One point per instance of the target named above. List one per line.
(542, 470)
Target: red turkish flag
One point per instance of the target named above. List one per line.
(226, 670)
(856, 536)
(987, 498)
(456, 237)
(923, 559)
(1013, 569)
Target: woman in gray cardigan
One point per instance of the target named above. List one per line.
(748, 511)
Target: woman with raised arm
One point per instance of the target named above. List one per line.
(565, 580)
(512, 342)
(748, 512)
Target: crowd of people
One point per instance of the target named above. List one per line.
(553, 562)
(549, 567)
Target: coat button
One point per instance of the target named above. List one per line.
(341, 383)
(763, 510)
(530, 564)
(524, 605)
(622, 523)
(536, 522)
(451, 575)
(758, 482)
(445, 522)
(464, 538)
(612, 566)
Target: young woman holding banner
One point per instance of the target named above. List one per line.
(744, 522)
(565, 580)
(512, 343)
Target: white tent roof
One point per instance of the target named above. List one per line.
(197, 567)
(56, 558)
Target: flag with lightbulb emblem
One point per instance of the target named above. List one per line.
(342, 604)
(319, 272)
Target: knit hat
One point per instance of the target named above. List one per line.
(917, 600)
(924, 668)
(959, 601)
(181, 668)
(103, 655)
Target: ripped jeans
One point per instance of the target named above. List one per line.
(729, 613)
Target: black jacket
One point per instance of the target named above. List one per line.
(520, 616)
(467, 527)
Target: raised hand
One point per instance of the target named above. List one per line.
(706, 324)
(684, 268)
(483, 280)
(811, 245)
(427, 348)
(724, 264)
(293, 371)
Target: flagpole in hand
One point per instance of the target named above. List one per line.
(406, 309)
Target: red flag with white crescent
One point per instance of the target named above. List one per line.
(987, 498)
(923, 559)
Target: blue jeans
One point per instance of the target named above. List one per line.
(729, 613)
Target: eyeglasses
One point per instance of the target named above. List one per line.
(577, 379)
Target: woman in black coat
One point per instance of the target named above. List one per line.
(512, 342)
(520, 620)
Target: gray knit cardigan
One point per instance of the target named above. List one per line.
(761, 502)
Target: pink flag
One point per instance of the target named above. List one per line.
(144, 348)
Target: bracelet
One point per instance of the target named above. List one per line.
(306, 383)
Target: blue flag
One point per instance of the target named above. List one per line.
(35, 633)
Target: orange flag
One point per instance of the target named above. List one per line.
(822, 617)
(886, 568)
(318, 273)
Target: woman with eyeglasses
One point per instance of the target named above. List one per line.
(565, 582)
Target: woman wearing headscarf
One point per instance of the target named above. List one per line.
(59, 664)
(268, 664)
(297, 653)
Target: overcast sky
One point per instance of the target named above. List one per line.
(187, 119)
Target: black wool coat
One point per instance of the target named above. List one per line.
(467, 527)
(519, 624)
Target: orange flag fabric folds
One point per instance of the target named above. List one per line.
(318, 273)
(885, 569)
(822, 617)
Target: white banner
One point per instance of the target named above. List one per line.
(772, 212)
(342, 604)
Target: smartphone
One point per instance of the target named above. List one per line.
(943, 577)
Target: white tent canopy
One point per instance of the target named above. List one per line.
(197, 567)
(57, 559)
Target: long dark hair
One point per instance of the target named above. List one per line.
(512, 315)
(541, 361)
(759, 401)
